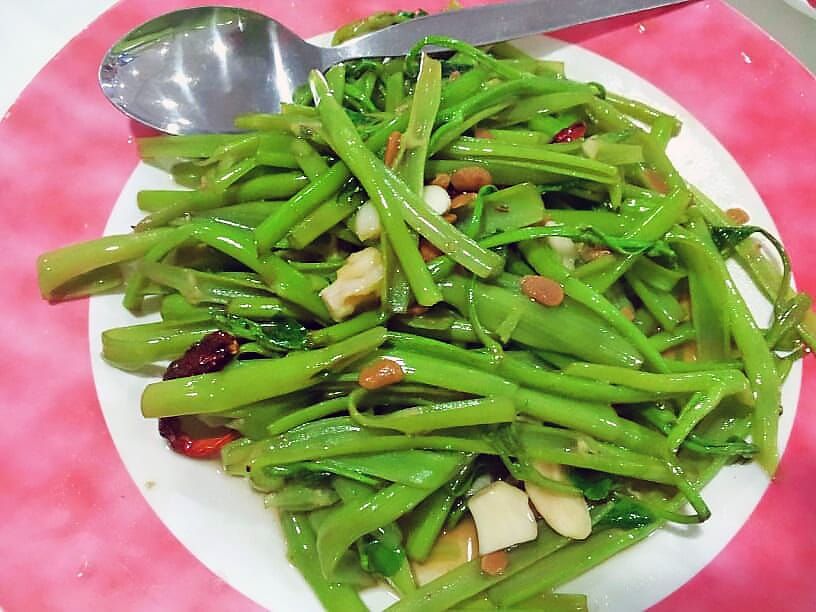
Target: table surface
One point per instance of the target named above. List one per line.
(32, 32)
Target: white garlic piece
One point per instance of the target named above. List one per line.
(366, 222)
(565, 248)
(503, 517)
(359, 280)
(436, 198)
(452, 549)
(566, 513)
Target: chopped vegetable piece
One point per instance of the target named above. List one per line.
(502, 516)
(566, 513)
(358, 282)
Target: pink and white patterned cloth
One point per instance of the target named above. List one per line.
(76, 531)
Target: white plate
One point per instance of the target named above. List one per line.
(224, 523)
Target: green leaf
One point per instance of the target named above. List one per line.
(628, 246)
(280, 335)
(727, 237)
(357, 68)
(626, 513)
(595, 486)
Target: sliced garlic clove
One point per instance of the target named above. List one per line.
(436, 198)
(453, 548)
(366, 222)
(503, 517)
(564, 247)
(566, 513)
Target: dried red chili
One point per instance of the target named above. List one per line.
(211, 354)
(200, 448)
(568, 134)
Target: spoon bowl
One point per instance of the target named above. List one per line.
(194, 70)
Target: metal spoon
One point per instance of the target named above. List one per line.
(194, 70)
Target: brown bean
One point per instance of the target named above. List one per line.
(381, 373)
(450, 217)
(591, 253)
(482, 133)
(689, 351)
(392, 148)
(471, 178)
(494, 564)
(454, 75)
(628, 312)
(737, 216)
(684, 299)
(428, 251)
(543, 290)
(441, 180)
(463, 199)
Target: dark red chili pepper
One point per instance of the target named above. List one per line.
(568, 134)
(211, 354)
(201, 448)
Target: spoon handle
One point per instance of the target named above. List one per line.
(488, 24)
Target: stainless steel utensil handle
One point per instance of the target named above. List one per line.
(488, 24)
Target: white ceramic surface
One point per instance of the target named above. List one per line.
(804, 6)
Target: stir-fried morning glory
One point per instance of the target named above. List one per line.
(458, 318)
